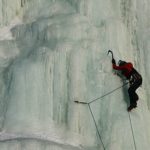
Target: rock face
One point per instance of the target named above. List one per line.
(53, 52)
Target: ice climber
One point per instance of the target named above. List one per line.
(135, 80)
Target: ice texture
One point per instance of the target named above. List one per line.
(54, 52)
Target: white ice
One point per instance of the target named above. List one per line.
(53, 52)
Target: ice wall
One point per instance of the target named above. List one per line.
(53, 52)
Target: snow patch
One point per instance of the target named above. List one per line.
(5, 32)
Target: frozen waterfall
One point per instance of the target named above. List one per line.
(54, 52)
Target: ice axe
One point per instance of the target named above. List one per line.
(109, 51)
(113, 60)
(80, 102)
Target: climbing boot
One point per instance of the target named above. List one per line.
(131, 107)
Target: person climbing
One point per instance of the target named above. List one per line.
(135, 80)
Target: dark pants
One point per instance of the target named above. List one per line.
(132, 94)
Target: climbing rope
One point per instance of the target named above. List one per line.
(102, 95)
(96, 126)
(132, 131)
(107, 93)
(88, 103)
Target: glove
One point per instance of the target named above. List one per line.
(113, 61)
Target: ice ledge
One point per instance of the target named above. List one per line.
(4, 137)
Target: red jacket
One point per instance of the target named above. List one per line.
(126, 69)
